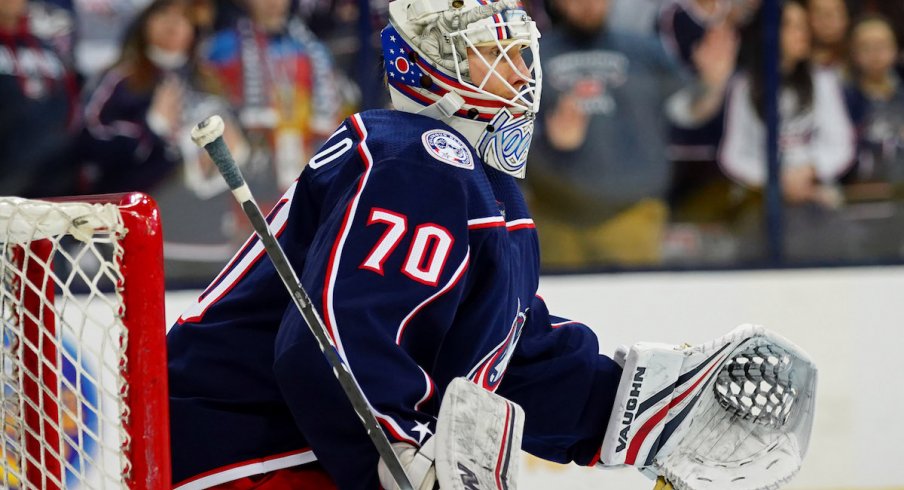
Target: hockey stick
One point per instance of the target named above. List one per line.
(209, 135)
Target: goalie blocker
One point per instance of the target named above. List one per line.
(732, 413)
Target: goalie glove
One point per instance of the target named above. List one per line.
(735, 413)
(477, 444)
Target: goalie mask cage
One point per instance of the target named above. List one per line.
(84, 395)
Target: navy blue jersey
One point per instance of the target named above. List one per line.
(423, 263)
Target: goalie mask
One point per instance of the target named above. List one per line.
(492, 103)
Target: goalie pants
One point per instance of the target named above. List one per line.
(307, 477)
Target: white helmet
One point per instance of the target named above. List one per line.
(425, 48)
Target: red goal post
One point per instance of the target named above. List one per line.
(83, 374)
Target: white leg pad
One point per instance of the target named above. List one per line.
(478, 439)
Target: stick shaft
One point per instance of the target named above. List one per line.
(219, 153)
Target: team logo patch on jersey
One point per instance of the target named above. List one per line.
(448, 148)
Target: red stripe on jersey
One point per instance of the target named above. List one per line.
(459, 273)
(240, 255)
(505, 436)
(491, 222)
(387, 423)
(520, 224)
(596, 457)
(303, 454)
(431, 390)
(499, 222)
(229, 269)
(340, 238)
(242, 251)
(299, 477)
(562, 324)
(332, 264)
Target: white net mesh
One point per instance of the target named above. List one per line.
(63, 357)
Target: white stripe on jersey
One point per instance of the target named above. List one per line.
(428, 392)
(519, 223)
(349, 220)
(330, 289)
(452, 281)
(484, 222)
(256, 467)
(234, 272)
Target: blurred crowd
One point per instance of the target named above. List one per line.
(652, 143)
(650, 147)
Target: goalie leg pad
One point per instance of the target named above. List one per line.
(478, 439)
(476, 446)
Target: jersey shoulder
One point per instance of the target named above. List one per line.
(417, 141)
(394, 151)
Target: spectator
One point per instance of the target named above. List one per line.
(816, 141)
(893, 11)
(637, 16)
(829, 21)
(136, 137)
(699, 189)
(54, 21)
(203, 14)
(876, 97)
(682, 24)
(100, 26)
(136, 111)
(283, 83)
(38, 99)
(599, 171)
(352, 37)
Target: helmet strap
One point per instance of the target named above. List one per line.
(444, 108)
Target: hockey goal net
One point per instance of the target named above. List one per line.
(84, 401)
